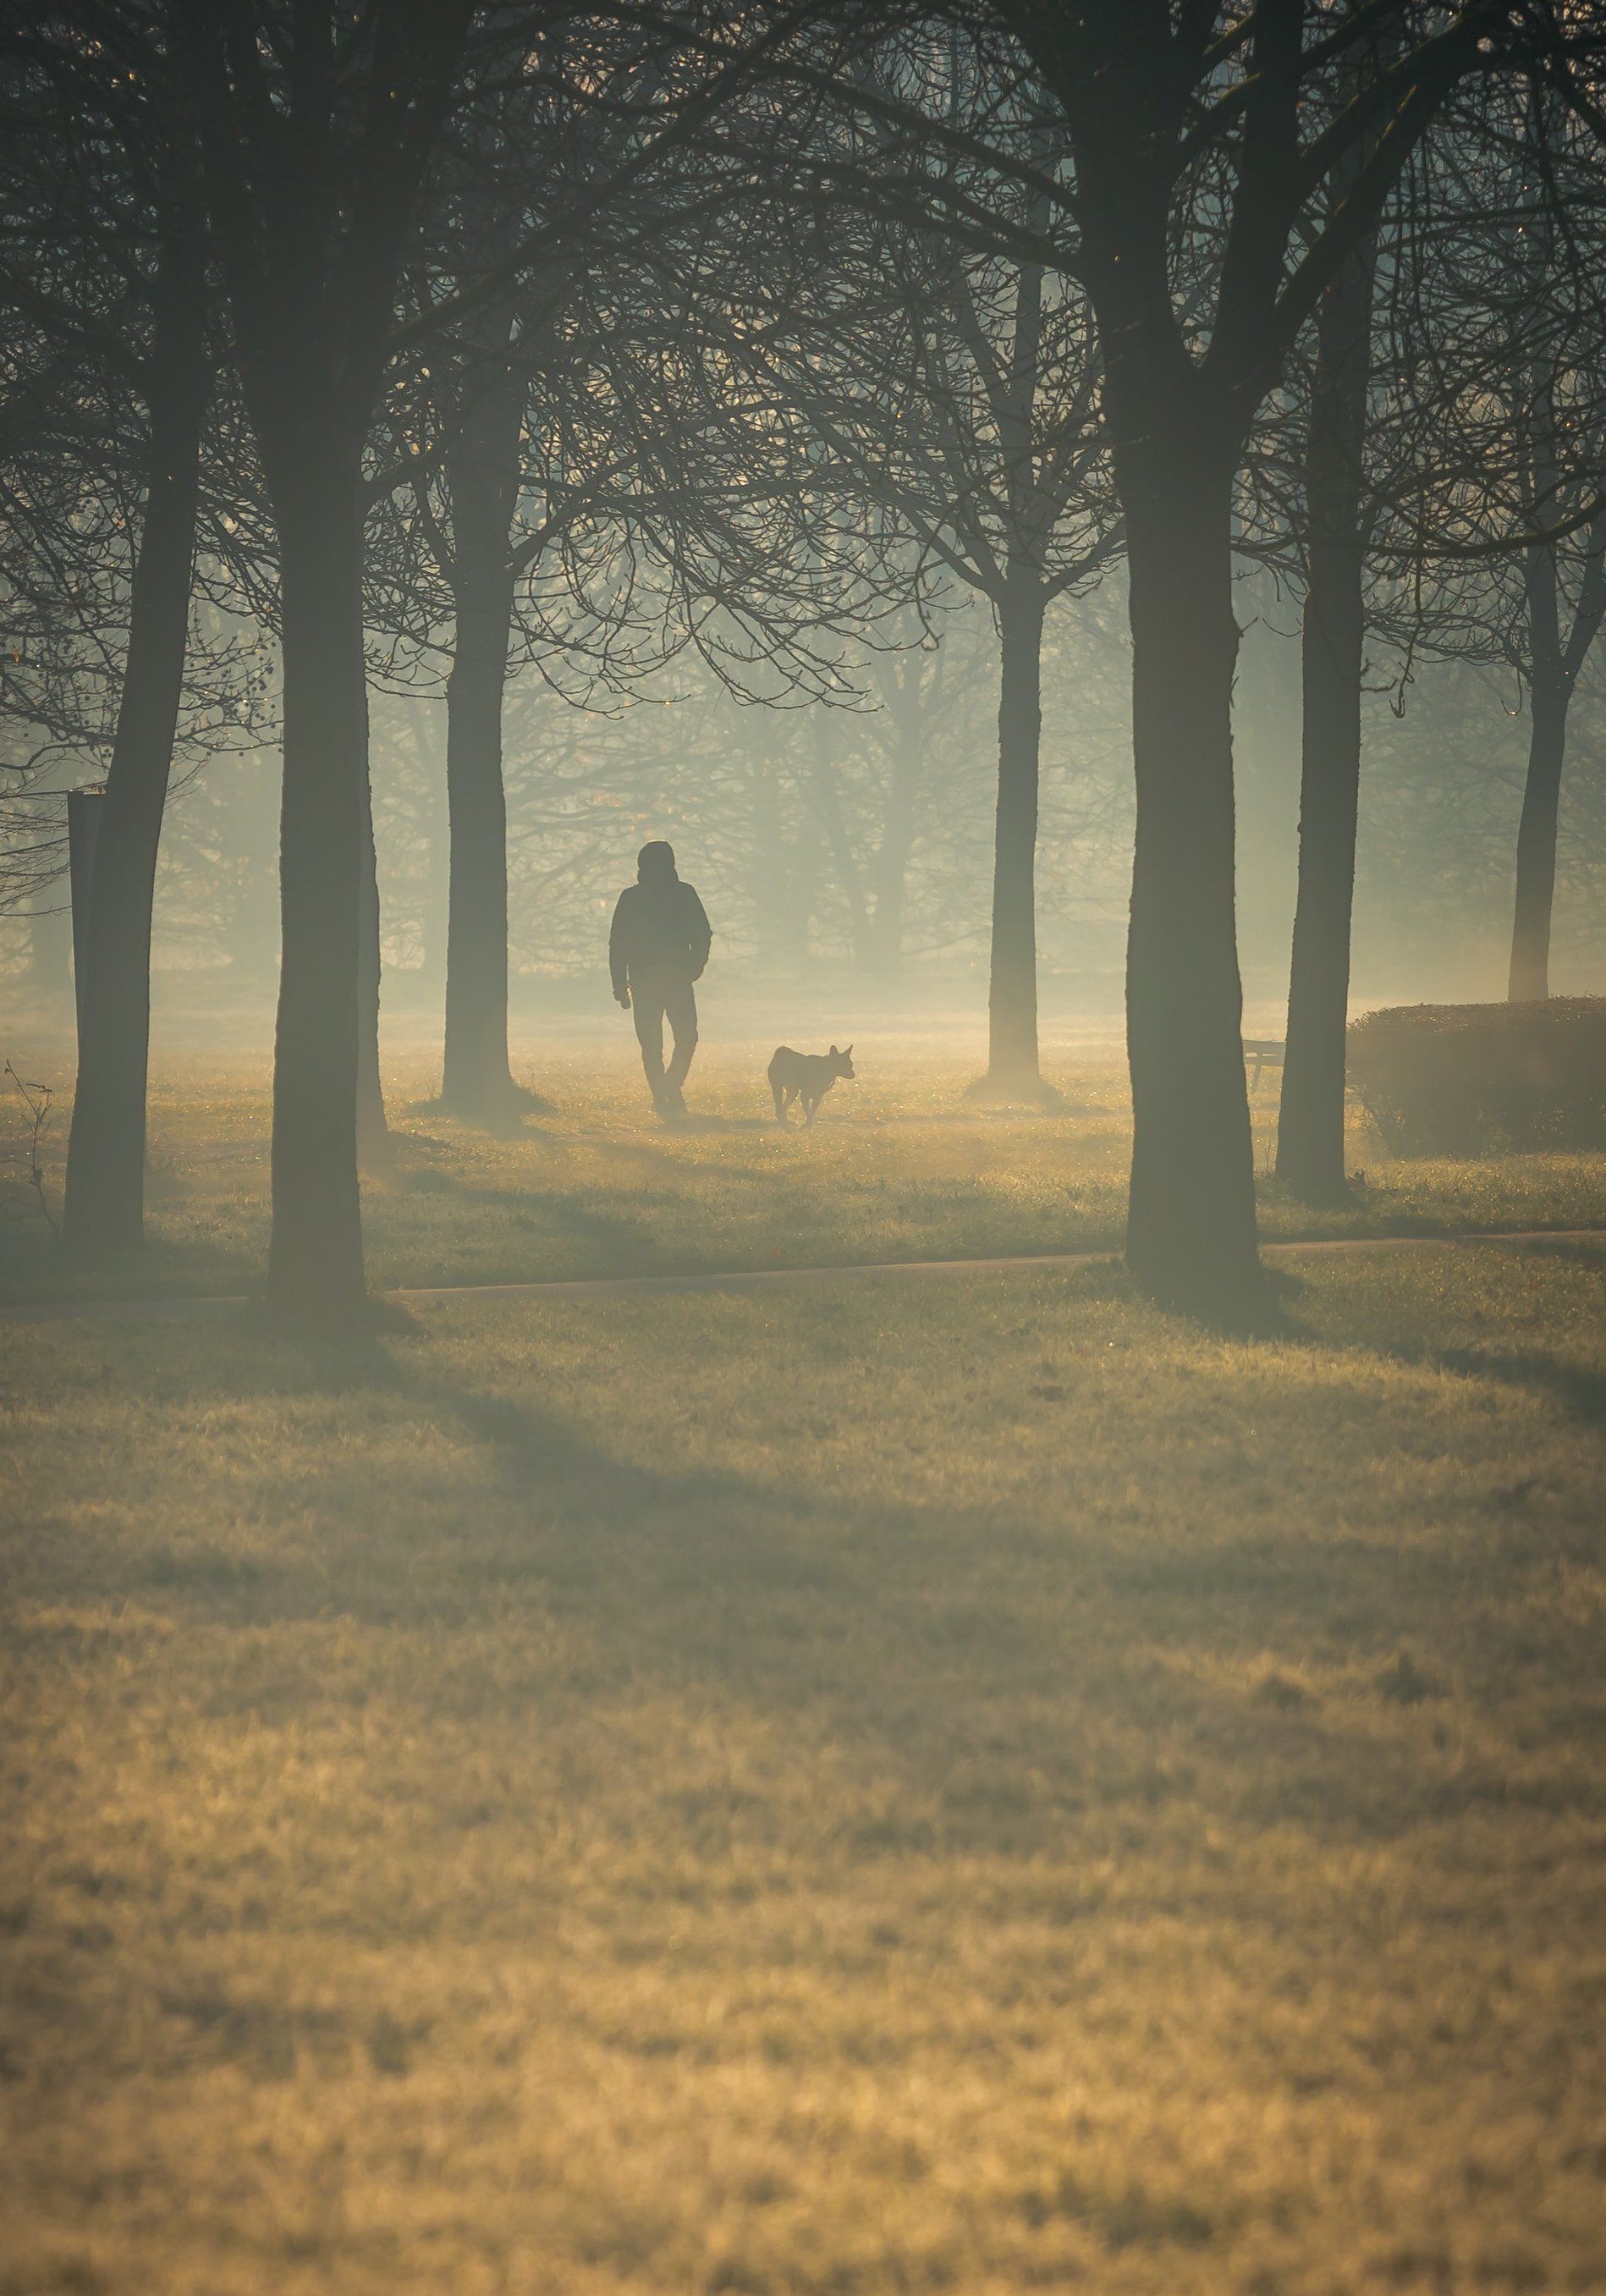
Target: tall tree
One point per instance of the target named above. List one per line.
(1560, 632)
(318, 124)
(1557, 405)
(1201, 206)
(959, 390)
(104, 275)
(1310, 1125)
(103, 1211)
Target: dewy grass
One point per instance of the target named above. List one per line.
(899, 1166)
(977, 1788)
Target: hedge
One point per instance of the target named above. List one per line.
(1469, 1080)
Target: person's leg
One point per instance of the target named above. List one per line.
(647, 1011)
(681, 1004)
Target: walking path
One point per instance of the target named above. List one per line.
(764, 1279)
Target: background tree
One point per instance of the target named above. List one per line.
(105, 282)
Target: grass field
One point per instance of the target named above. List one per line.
(898, 1166)
(891, 1789)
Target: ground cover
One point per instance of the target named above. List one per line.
(900, 1166)
(970, 1788)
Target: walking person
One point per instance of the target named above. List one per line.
(658, 947)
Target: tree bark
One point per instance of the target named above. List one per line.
(103, 1211)
(484, 470)
(315, 1281)
(478, 1082)
(1310, 1126)
(1550, 691)
(373, 1132)
(1012, 990)
(1191, 1225)
(1529, 977)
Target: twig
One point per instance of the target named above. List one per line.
(36, 1099)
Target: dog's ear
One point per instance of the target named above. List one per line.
(848, 1051)
(834, 1052)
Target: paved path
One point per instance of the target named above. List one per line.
(765, 1279)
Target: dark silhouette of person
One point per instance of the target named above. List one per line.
(658, 947)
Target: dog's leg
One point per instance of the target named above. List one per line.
(775, 1087)
(809, 1107)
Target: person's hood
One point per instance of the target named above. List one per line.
(655, 866)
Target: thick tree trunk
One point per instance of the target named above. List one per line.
(1191, 1226)
(484, 472)
(315, 1281)
(103, 1213)
(1012, 990)
(1310, 1128)
(1550, 693)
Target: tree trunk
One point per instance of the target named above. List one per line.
(1191, 1225)
(435, 828)
(478, 1083)
(1310, 1126)
(103, 1212)
(373, 1132)
(1550, 693)
(1013, 991)
(484, 473)
(315, 1281)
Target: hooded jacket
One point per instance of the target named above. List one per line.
(659, 928)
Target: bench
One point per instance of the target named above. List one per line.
(1261, 1052)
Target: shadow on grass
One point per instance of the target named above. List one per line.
(1263, 1308)
(1577, 1390)
(1006, 1667)
(562, 1214)
(504, 1123)
(1576, 1251)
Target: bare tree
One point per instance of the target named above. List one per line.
(1206, 204)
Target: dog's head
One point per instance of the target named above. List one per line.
(844, 1062)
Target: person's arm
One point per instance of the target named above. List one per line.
(698, 933)
(617, 966)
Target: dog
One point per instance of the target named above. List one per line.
(805, 1077)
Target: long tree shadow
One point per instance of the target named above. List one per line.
(1577, 1390)
(927, 1639)
(563, 1214)
(920, 1635)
